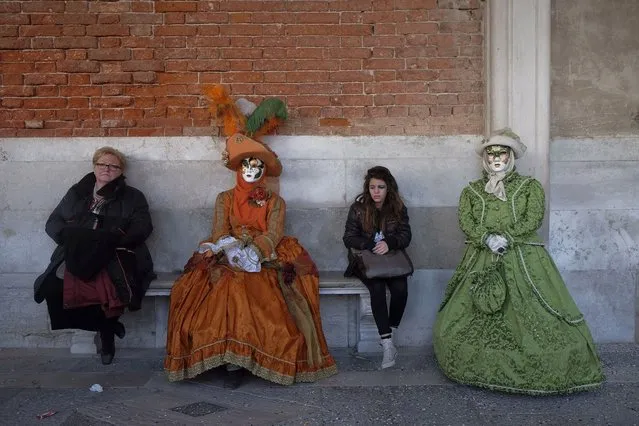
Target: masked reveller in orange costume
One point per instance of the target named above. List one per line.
(249, 296)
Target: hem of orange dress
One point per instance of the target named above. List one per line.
(253, 366)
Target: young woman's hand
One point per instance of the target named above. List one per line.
(380, 248)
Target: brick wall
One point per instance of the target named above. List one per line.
(136, 68)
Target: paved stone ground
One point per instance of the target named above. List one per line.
(33, 381)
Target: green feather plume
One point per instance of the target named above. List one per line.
(267, 110)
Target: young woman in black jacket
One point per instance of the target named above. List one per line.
(378, 221)
(101, 264)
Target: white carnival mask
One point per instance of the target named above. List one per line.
(497, 157)
(252, 169)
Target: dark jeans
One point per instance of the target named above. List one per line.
(385, 317)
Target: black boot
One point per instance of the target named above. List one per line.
(119, 330)
(234, 378)
(107, 338)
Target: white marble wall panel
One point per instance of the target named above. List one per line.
(594, 185)
(607, 300)
(425, 292)
(24, 246)
(595, 239)
(176, 235)
(199, 148)
(595, 149)
(313, 183)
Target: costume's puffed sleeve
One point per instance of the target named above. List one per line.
(353, 234)
(221, 218)
(533, 216)
(470, 224)
(275, 220)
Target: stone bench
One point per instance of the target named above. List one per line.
(332, 283)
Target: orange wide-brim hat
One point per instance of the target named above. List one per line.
(239, 147)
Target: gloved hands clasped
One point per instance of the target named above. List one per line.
(244, 258)
(497, 243)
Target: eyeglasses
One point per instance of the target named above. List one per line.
(107, 166)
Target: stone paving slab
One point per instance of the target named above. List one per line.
(414, 392)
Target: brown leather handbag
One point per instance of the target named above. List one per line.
(395, 263)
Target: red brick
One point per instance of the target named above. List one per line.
(8, 31)
(242, 77)
(14, 19)
(10, 6)
(207, 18)
(142, 6)
(143, 66)
(418, 28)
(174, 18)
(295, 101)
(282, 42)
(110, 7)
(415, 4)
(141, 18)
(19, 91)
(47, 91)
(38, 79)
(419, 75)
(384, 41)
(307, 76)
(13, 43)
(42, 6)
(44, 103)
(105, 19)
(117, 54)
(111, 90)
(175, 30)
(72, 91)
(242, 17)
(106, 78)
(175, 6)
(177, 78)
(385, 17)
(380, 64)
(108, 30)
(241, 30)
(75, 42)
(111, 102)
(341, 122)
(11, 102)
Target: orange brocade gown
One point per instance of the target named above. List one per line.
(263, 321)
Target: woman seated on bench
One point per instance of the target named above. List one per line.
(101, 264)
(249, 297)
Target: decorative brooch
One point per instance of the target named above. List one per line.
(259, 196)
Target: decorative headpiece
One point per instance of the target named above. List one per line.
(503, 137)
(243, 124)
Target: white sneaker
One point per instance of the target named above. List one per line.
(390, 353)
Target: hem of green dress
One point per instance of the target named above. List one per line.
(534, 392)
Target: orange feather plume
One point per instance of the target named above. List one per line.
(223, 107)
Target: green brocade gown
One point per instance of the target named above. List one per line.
(523, 333)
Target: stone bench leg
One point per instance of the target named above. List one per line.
(83, 342)
(367, 329)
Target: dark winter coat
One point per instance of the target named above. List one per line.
(397, 233)
(124, 215)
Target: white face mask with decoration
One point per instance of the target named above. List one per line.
(497, 157)
(252, 169)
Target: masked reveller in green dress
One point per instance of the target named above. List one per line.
(507, 321)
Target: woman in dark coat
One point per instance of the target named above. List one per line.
(378, 221)
(101, 264)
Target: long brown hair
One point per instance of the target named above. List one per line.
(393, 204)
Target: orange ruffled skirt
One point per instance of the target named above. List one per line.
(243, 318)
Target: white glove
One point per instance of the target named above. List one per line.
(245, 258)
(218, 246)
(497, 243)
